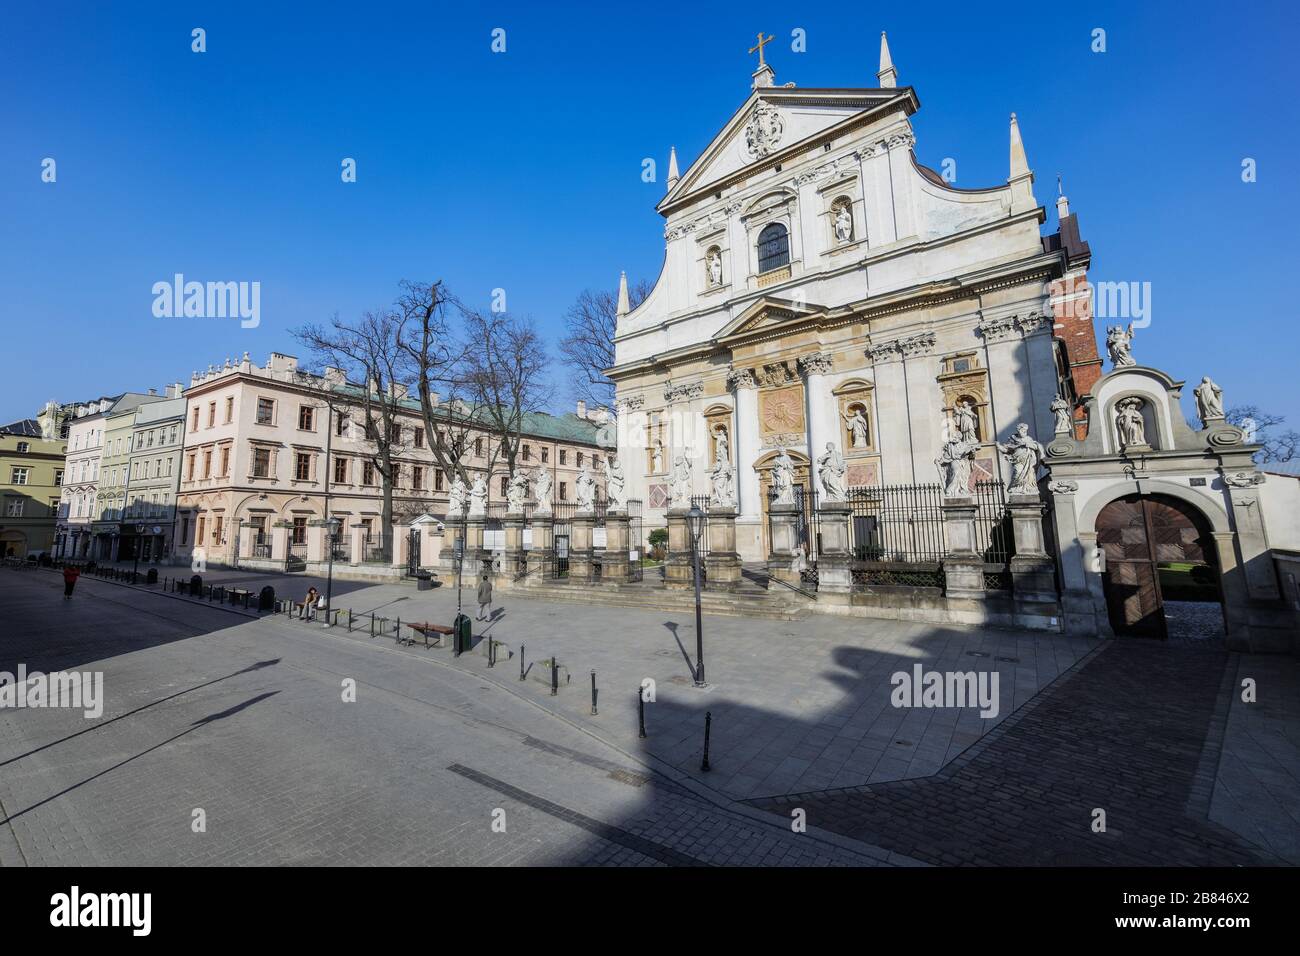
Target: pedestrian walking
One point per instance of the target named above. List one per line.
(484, 598)
(70, 575)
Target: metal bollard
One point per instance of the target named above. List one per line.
(640, 705)
(708, 724)
(593, 693)
(555, 679)
(492, 661)
(372, 625)
(521, 660)
(349, 620)
(397, 631)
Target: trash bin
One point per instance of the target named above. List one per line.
(462, 635)
(196, 586)
(266, 599)
(423, 581)
(151, 577)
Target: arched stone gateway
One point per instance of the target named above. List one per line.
(1155, 548)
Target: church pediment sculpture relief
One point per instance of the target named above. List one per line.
(764, 130)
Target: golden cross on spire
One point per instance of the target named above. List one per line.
(759, 48)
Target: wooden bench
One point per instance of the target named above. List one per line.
(300, 607)
(424, 629)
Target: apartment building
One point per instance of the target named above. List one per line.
(154, 470)
(32, 454)
(263, 450)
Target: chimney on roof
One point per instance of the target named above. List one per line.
(582, 409)
(153, 391)
(334, 375)
(173, 390)
(888, 76)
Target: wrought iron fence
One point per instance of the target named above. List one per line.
(896, 523)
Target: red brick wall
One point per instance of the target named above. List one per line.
(1073, 326)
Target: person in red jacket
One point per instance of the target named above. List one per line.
(70, 575)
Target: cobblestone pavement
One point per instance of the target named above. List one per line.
(245, 721)
(1135, 731)
(796, 706)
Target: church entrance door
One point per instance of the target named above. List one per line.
(1157, 549)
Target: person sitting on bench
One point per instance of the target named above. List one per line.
(309, 604)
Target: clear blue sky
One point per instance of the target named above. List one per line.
(523, 170)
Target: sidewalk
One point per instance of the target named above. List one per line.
(796, 706)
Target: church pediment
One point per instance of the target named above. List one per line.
(772, 120)
(768, 314)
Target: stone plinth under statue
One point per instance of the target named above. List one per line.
(614, 562)
(580, 545)
(722, 563)
(1033, 573)
(963, 566)
(678, 569)
(834, 577)
(514, 560)
(783, 520)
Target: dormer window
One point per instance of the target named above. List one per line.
(773, 247)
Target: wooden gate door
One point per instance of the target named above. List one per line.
(1137, 533)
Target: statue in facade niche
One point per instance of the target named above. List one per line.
(843, 223)
(657, 458)
(542, 485)
(478, 496)
(721, 444)
(614, 484)
(1209, 401)
(585, 486)
(722, 485)
(1061, 410)
(1025, 455)
(680, 482)
(856, 421)
(954, 463)
(1119, 343)
(1129, 423)
(783, 479)
(456, 497)
(831, 470)
(715, 268)
(516, 492)
(963, 416)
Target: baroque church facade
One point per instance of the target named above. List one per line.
(823, 289)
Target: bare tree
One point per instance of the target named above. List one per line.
(1258, 425)
(368, 354)
(432, 357)
(503, 369)
(588, 344)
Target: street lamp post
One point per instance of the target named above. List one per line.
(694, 526)
(333, 525)
(135, 572)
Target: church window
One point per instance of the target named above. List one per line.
(773, 247)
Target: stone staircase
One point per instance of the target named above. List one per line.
(751, 599)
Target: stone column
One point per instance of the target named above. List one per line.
(679, 571)
(785, 538)
(1236, 594)
(963, 568)
(1261, 577)
(615, 567)
(247, 538)
(358, 544)
(815, 368)
(317, 535)
(474, 553)
(401, 544)
(1033, 575)
(280, 541)
(543, 549)
(722, 564)
(514, 562)
(431, 541)
(745, 387)
(1077, 606)
(580, 545)
(834, 577)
